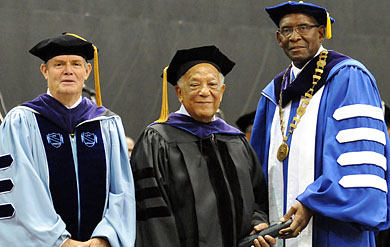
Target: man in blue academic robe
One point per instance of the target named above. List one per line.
(321, 139)
(64, 166)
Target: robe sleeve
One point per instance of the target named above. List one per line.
(352, 154)
(118, 223)
(27, 214)
(260, 137)
(155, 222)
(260, 213)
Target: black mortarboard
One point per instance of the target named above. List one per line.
(185, 59)
(70, 44)
(319, 13)
(63, 45)
(245, 121)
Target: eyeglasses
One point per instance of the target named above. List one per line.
(301, 29)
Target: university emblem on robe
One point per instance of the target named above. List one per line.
(89, 139)
(55, 139)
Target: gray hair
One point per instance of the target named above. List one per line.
(181, 81)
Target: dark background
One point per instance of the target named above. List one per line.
(137, 39)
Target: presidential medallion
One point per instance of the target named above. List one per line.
(282, 152)
(283, 149)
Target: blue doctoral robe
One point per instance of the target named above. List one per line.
(339, 152)
(67, 173)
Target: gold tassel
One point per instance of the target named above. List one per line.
(75, 35)
(164, 106)
(96, 70)
(96, 75)
(328, 27)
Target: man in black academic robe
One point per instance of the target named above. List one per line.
(198, 181)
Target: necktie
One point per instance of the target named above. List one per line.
(292, 77)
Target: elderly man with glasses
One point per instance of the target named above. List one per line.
(321, 139)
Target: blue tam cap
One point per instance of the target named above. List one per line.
(319, 13)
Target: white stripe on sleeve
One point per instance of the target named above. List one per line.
(358, 110)
(359, 134)
(362, 181)
(363, 157)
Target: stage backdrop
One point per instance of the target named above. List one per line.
(137, 39)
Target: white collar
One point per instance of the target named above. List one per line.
(295, 70)
(183, 111)
(71, 107)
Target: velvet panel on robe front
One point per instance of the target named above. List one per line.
(76, 158)
(206, 191)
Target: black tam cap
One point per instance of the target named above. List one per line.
(185, 59)
(245, 121)
(319, 13)
(63, 45)
(70, 44)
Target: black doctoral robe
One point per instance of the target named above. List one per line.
(196, 191)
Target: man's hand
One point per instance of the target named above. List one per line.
(73, 243)
(302, 216)
(94, 242)
(267, 241)
(98, 242)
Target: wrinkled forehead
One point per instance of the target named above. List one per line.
(65, 58)
(202, 69)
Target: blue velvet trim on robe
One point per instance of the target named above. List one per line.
(91, 175)
(66, 118)
(6, 211)
(62, 175)
(5, 161)
(6, 185)
(304, 80)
